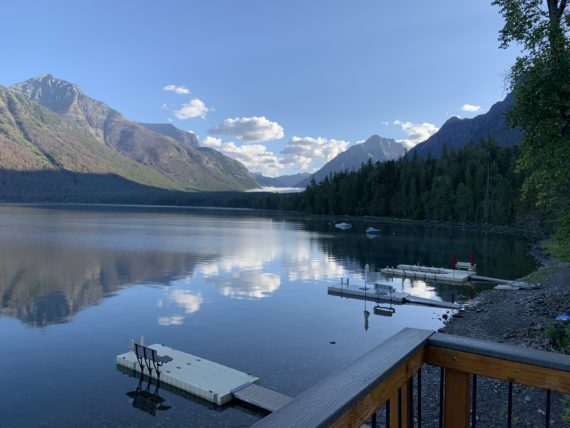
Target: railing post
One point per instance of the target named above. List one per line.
(457, 399)
(400, 408)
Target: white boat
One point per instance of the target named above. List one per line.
(372, 231)
(343, 226)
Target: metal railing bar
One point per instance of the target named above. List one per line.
(474, 401)
(387, 413)
(547, 410)
(410, 406)
(420, 397)
(510, 406)
(400, 408)
(441, 384)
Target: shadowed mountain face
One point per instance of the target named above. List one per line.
(456, 133)
(170, 152)
(375, 149)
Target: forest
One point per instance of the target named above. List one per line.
(477, 184)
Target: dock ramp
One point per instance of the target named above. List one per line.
(262, 397)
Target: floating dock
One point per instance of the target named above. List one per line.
(382, 294)
(441, 275)
(206, 379)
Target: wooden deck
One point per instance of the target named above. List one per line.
(384, 377)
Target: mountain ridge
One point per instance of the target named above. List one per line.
(375, 148)
(456, 133)
(161, 147)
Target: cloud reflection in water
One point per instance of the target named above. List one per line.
(247, 284)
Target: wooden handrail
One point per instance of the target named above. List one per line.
(350, 396)
(526, 366)
(503, 351)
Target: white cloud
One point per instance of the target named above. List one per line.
(164, 106)
(303, 151)
(192, 109)
(212, 142)
(470, 108)
(417, 132)
(249, 129)
(180, 90)
(255, 157)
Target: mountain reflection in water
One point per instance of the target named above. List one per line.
(54, 262)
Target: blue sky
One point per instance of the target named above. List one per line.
(282, 86)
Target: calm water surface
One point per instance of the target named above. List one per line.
(242, 288)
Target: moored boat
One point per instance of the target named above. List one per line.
(343, 226)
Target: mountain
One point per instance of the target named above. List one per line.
(184, 137)
(282, 181)
(376, 148)
(457, 133)
(172, 153)
(43, 152)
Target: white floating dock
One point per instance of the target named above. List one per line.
(382, 295)
(446, 276)
(205, 379)
(369, 293)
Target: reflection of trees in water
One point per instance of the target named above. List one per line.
(40, 287)
(496, 255)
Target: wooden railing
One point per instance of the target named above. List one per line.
(384, 377)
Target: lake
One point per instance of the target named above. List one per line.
(242, 288)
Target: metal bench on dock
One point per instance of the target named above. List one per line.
(148, 357)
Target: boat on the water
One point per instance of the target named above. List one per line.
(372, 231)
(343, 226)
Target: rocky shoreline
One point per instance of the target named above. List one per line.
(517, 317)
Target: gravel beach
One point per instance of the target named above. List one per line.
(517, 317)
